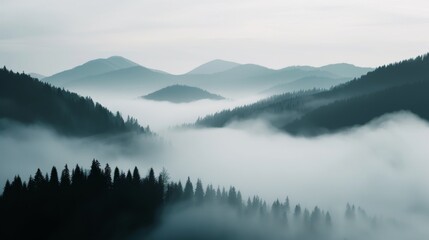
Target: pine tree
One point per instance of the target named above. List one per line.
(287, 205)
(39, 180)
(297, 212)
(54, 181)
(188, 193)
(315, 218)
(199, 192)
(136, 176)
(6, 189)
(116, 177)
(65, 178)
(129, 177)
(328, 220)
(151, 178)
(108, 176)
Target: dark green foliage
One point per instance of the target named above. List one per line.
(401, 86)
(28, 101)
(188, 193)
(360, 110)
(199, 192)
(91, 206)
(65, 177)
(54, 181)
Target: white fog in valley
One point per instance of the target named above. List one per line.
(381, 167)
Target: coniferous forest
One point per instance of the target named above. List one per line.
(106, 203)
(28, 101)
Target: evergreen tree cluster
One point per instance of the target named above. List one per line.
(101, 203)
(28, 101)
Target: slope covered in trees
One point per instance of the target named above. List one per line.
(272, 108)
(394, 87)
(360, 110)
(102, 203)
(28, 101)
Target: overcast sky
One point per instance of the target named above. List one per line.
(47, 36)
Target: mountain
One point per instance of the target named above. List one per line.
(346, 70)
(28, 101)
(324, 77)
(36, 75)
(93, 67)
(129, 80)
(301, 112)
(306, 83)
(214, 66)
(181, 94)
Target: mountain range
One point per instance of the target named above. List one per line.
(120, 75)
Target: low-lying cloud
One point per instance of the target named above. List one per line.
(381, 167)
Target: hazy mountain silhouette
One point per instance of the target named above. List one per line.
(214, 66)
(337, 105)
(340, 73)
(26, 100)
(129, 80)
(253, 78)
(93, 67)
(36, 75)
(306, 83)
(117, 74)
(181, 94)
(346, 70)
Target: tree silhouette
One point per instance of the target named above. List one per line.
(54, 180)
(188, 193)
(199, 192)
(84, 206)
(65, 178)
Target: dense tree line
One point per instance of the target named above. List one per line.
(28, 101)
(102, 203)
(275, 105)
(394, 87)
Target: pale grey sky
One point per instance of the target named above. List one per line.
(48, 36)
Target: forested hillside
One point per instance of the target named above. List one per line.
(360, 110)
(292, 103)
(395, 87)
(28, 101)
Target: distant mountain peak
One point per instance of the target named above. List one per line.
(91, 68)
(346, 69)
(214, 66)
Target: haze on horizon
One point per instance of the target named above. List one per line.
(47, 36)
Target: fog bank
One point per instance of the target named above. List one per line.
(381, 167)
